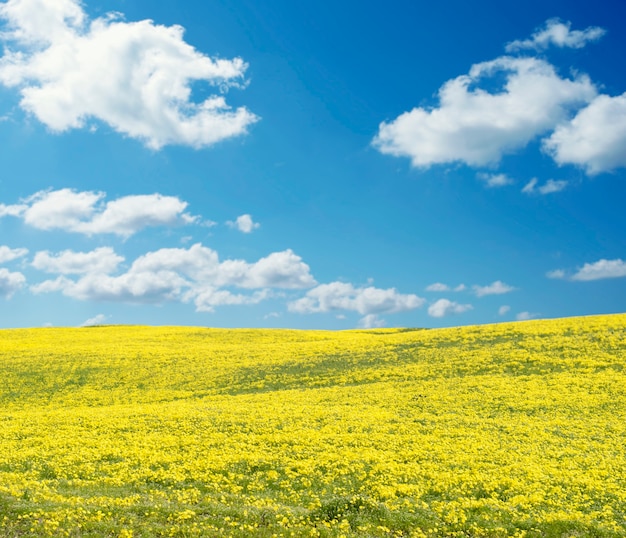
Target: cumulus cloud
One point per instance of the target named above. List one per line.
(344, 296)
(600, 270)
(445, 307)
(86, 213)
(558, 33)
(171, 274)
(244, 223)
(495, 180)
(101, 260)
(207, 298)
(371, 321)
(594, 139)
(8, 254)
(476, 127)
(96, 320)
(10, 282)
(134, 76)
(592, 271)
(495, 288)
(550, 186)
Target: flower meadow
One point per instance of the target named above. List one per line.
(514, 429)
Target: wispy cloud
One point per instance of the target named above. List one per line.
(557, 33)
(8, 254)
(495, 288)
(495, 180)
(550, 186)
(525, 316)
(134, 76)
(96, 320)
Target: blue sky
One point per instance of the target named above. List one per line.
(311, 165)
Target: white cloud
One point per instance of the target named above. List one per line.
(133, 287)
(476, 127)
(550, 186)
(14, 210)
(10, 282)
(8, 254)
(344, 296)
(525, 316)
(208, 298)
(96, 320)
(134, 76)
(438, 286)
(371, 321)
(101, 260)
(529, 188)
(495, 180)
(558, 33)
(244, 223)
(601, 269)
(594, 139)
(503, 310)
(445, 307)
(495, 288)
(86, 213)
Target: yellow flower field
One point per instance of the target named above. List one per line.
(514, 429)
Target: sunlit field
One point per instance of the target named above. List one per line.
(515, 429)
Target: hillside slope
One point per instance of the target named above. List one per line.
(504, 430)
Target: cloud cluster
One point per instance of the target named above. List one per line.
(476, 127)
(477, 121)
(170, 274)
(86, 213)
(197, 275)
(134, 76)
